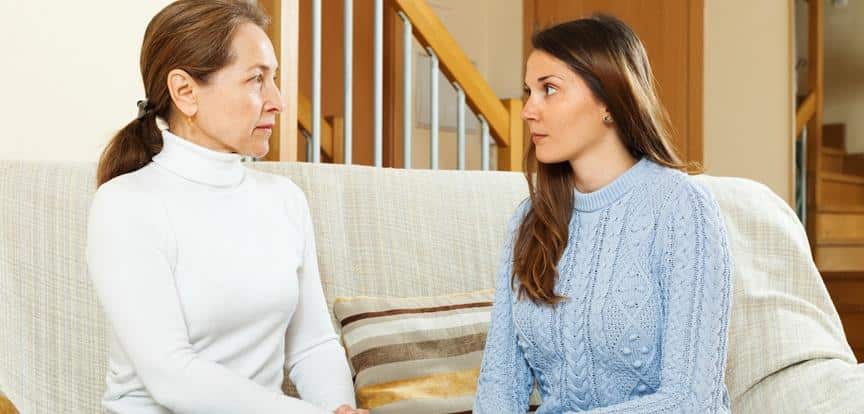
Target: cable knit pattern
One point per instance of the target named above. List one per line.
(646, 273)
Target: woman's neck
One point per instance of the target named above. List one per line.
(599, 167)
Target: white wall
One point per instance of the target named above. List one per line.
(69, 77)
(748, 113)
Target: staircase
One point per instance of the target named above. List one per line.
(839, 242)
(397, 24)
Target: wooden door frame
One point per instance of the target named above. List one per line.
(695, 70)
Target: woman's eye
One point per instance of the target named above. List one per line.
(550, 90)
(258, 78)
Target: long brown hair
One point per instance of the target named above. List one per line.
(612, 61)
(192, 35)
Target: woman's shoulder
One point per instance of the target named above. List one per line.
(131, 200)
(278, 184)
(673, 187)
(136, 188)
(678, 190)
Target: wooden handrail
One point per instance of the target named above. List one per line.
(805, 112)
(431, 33)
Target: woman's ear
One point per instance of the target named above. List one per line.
(182, 88)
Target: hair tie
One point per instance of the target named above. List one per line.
(144, 108)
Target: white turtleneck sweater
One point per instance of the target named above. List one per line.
(207, 273)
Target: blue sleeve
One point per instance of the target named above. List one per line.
(695, 278)
(505, 379)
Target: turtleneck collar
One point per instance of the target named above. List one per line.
(596, 200)
(198, 164)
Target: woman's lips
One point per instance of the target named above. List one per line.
(538, 137)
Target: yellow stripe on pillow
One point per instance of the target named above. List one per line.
(441, 386)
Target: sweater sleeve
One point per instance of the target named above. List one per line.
(505, 379)
(315, 359)
(130, 256)
(695, 275)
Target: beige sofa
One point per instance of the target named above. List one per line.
(408, 233)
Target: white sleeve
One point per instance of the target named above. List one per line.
(129, 250)
(315, 358)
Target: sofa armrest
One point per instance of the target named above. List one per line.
(815, 386)
(6, 406)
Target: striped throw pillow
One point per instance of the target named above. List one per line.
(417, 355)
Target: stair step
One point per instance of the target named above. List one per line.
(854, 164)
(845, 228)
(834, 136)
(847, 294)
(841, 209)
(853, 324)
(843, 276)
(842, 189)
(833, 160)
(832, 257)
(843, 178)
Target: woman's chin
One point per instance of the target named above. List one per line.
(261, 151)
(549, 158)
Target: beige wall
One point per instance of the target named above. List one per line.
(69, 76)
(844, 71)
(748, 92)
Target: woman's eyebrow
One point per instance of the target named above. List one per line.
(545, 77)
(263, 67)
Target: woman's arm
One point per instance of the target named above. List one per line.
(130, 250)
(505, 379)
(696, 287)
(315, 359)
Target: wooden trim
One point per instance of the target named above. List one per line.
(695, 146)
(791, 59)
(814, 126)
(510, 158)
(393, 108)
(805, 112)
(283, 32)
(430, 32)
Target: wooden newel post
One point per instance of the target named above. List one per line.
(510, 157)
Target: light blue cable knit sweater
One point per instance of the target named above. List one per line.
(646, 272)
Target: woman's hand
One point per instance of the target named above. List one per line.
(346, 409)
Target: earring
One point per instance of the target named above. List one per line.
(607, 119)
